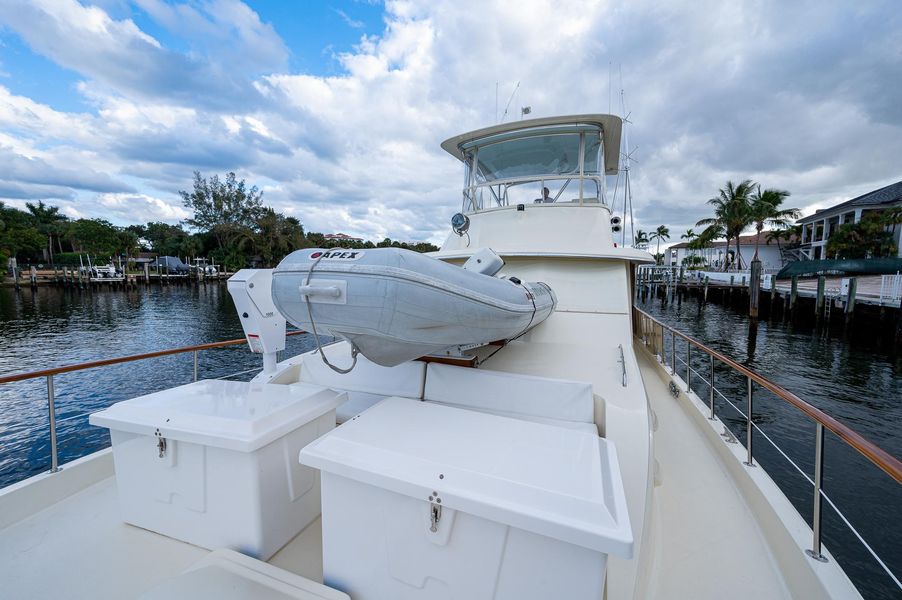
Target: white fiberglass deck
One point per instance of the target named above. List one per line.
(79, 548)
(707, 542)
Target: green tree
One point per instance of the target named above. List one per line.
(19, 234)
(224, 208)
(661, 233)
(764, 209)
(866, 239)
(277, 235)
(166, 239)
(640, 238)
(94, 236)
(49, 222)
(731, 214)
(777, 235)
(690, 237)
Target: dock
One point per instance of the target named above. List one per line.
(875, 301)
(71, 277)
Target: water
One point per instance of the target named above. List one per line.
(55, 327)
(856, 380)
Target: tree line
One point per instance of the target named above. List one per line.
(230, 225)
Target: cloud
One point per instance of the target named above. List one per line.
(24, 191)
(803, 97)
(140, 208)
(38, 171)
(348, 20)
(117, 56)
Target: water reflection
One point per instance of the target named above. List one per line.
(54, 327)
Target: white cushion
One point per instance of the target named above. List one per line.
(404, 380)
(510, 394)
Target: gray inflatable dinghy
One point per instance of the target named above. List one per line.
(395, 305)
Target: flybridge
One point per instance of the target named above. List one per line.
(560, 160)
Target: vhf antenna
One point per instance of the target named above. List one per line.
(509, 102)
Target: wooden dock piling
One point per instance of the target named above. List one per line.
(819, 303)
(850, 299)
(793, 294)
(754, 288)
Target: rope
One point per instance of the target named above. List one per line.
(319, 346)
(532, 298)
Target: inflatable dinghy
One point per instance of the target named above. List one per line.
(395, 305)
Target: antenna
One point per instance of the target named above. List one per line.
(509, 102)
(610, 69)
(628, 158)
(496, 101)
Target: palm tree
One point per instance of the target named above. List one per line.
(764, 208)
(689, 236)
(640, 238)
(49, 221)
(731, 214)
(775, 235)
(661, 233)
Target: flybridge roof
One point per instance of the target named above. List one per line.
(610, 126)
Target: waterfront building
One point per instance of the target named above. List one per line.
(816, 228)
(713, 256)
(341, 237)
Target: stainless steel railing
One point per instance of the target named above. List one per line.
(49, 374)
(647, 327)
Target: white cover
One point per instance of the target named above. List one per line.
(510, 393)
(228, 575)
(404, 380)
(367, 384)
(235, 415)
(395, 305)
(555, 482)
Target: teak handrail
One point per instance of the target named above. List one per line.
(124, 359)
(877, 455)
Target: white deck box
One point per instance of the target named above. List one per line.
(214, 463)
(424, 501)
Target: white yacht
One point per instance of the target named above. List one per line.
(572, 459)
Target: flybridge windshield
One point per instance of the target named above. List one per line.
(547, 166)
(538, 155)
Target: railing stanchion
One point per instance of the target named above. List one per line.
(688, 368)
(748, 424)
(663, 346)
(815, 551)
(673, 352)
(711, 394)
(51, 407)
(195, 365)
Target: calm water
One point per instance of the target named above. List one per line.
(852, 380)
(54, 327)
(859, 384)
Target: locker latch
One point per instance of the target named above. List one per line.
(436, 514)
(435, 511)
(161, 443)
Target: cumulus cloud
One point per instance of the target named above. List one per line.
(802, 97)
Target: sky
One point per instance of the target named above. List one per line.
(336, 109)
